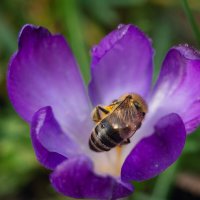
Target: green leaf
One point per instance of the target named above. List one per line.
(73, 23)
(191, 20)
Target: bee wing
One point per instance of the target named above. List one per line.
(124, 120)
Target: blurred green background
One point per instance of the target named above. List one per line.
(84, 23)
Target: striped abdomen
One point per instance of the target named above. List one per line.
(104, 137)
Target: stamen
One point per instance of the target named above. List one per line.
(118, 159)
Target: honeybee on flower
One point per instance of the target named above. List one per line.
(46, 90)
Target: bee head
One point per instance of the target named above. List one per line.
(138, 102)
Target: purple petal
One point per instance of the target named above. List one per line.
(178, 86)
(51, 145)
(75, 178)
(121, 63)
(44, 73)
(155, 153)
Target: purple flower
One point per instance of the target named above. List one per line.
(46, 89)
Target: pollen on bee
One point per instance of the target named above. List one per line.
(119, 151)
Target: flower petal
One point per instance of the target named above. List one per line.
(51, 145)
(154, 154)
(75, 178)
(121, 63)
(178, 86)
(44, 73)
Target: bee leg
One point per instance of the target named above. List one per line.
(98, 113)
(102, 109)
(95, 115)
(114, 101)
(127, 141)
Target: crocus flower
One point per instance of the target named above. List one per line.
(46, 89)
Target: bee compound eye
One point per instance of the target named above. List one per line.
(129, 96)
(143, 113)
(102, 126)
(137, 105)
(139, 125)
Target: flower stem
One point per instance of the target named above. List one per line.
(191, 19)
(163, 183)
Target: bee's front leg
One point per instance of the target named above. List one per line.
(98, 113)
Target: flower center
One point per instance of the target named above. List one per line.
(109, 163)
(115, 124)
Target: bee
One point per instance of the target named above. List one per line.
(116, 123)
